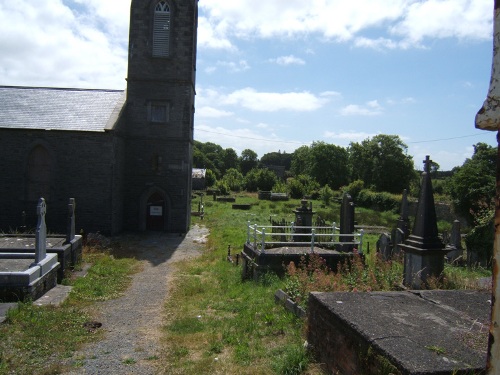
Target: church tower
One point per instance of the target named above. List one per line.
(158, 130)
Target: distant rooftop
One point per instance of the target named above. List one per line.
(59, 108)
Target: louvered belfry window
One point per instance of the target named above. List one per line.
(161, 30)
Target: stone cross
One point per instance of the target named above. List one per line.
(41, 232)
(70, 234)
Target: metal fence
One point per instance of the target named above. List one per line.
(268, 236)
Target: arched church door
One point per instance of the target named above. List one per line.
(155, 212)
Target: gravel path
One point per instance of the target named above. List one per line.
(132, 324)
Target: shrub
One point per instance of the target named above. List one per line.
(326, 194)
(380, 201)
(354, 188)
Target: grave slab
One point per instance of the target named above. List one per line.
(408, 333)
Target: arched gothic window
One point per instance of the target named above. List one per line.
(38, 174)
(161, 30)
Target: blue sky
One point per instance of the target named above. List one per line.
(284, 73)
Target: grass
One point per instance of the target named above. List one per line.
(214, 322)
(35, 340)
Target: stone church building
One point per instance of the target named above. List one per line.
(125, 156)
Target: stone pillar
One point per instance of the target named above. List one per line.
(70, 234)
(488, 118)
(346, 222)
(424, 250)
(41, 232)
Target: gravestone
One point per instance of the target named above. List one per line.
(304, 219)
(455, 249)
(424, 250)
(70, 234)
(404, 221)
(399, 237)
(41, 232)
(346, 222)
(384, 246)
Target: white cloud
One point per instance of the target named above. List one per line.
(240, 139)
(210, 112)
(288, 60)
(398, 23)
(270, 101)
(463, 19)
(371, 108)
(235, 67)
(47, 43)
(344, 138)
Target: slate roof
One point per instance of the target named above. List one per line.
(59, 109)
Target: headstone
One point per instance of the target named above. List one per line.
(304, 219)
(424, 250)
(70, 234)
(455, 249)
(41, 232)
(399, 237)
(346, 222)
(404, 221)
(384, 246)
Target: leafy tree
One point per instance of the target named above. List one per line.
(234, 179)
(326, 163)
(277, 158)
(329, 164)
(472, 186)
(382, 162)
(210, 178)
(248, 161)
(302, 185)
(230, 160)
(301, 161)
(326, 194)
(260, 179)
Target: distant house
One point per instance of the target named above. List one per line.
(125, 156)
(198, 179)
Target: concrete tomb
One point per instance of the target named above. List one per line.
(29, 275)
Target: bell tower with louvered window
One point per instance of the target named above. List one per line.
(158, 136)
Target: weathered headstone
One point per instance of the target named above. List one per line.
(404, 221)
(41, 232)
(303, 218)
(424, 250)
(455, 249)
(384, 246)
(70, 234)
(346, 222)
(399, 237)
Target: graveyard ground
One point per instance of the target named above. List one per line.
(212, 322)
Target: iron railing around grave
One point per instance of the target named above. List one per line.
(266, 236)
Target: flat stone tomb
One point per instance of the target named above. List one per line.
(416, 332)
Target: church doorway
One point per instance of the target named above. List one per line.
(155, 212)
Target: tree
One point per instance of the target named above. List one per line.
(277, 158)
(229, 159)
(382, 162)
(234, 179)
(260, 179)
(329, 164)
(326, 163)
(248, 161)
(472, 186)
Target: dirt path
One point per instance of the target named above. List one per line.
(132, 323)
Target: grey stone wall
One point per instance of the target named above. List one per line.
(81, 165)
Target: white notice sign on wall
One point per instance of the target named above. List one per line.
(156, 211)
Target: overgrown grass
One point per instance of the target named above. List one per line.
(35, 340)
(218, 323)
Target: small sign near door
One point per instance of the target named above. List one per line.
(156, 211)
